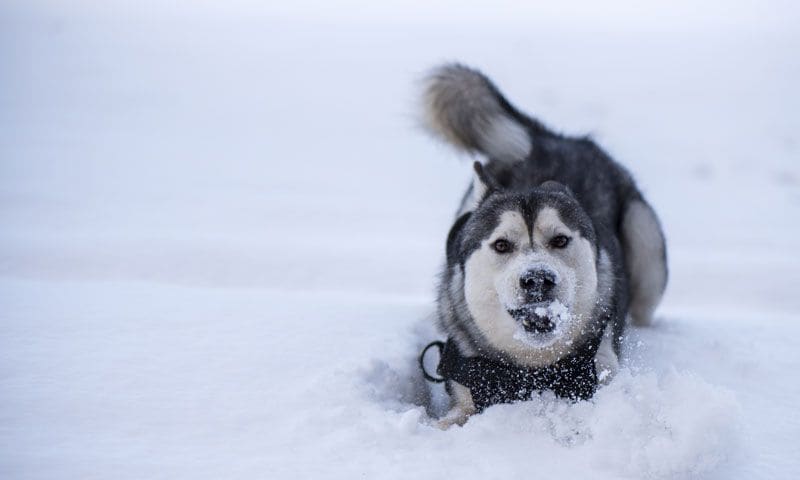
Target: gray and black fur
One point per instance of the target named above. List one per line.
(528, 167)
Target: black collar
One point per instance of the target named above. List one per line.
(496, 381)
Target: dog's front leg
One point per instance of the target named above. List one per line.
(462, 408)
(606, 361)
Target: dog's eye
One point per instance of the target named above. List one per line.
(559, 241)
(502, 245)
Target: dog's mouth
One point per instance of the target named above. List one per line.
(535, 318)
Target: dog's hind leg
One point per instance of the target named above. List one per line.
(645, 259)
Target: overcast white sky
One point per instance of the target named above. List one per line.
(762, 16)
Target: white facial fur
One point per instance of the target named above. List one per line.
(492, 287)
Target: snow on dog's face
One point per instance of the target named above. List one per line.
(529, 272)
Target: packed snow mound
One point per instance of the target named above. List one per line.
(642, 425)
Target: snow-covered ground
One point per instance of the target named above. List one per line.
(221, 227)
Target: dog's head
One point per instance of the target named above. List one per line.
(528, 264)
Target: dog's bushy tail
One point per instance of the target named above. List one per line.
(464, 108)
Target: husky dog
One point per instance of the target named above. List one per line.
(553, 246)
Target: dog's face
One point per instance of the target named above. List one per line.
(529, 271)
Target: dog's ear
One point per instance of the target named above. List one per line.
(483, 185)
(454, 237)
(553, 186)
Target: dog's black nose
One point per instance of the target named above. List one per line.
(538, 284)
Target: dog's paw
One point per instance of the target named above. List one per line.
(456, 416)
(606, 364)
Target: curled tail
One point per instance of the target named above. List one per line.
(464, 108)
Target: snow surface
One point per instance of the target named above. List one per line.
(221, 229)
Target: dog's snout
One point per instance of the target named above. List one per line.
(539, 283)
